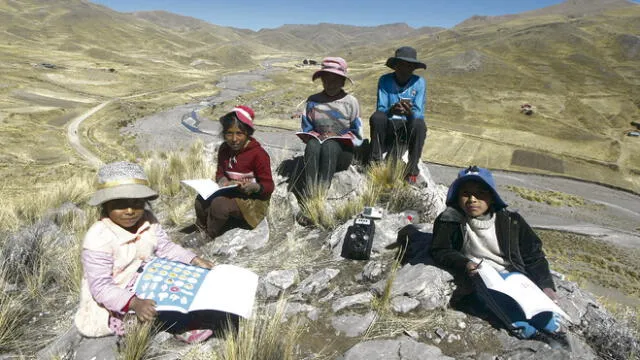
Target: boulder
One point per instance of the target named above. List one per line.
(236, 240)
(430, 285)
(403, 348)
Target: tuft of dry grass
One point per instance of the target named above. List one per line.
(264, 337)
(553, 198)
(18, 212)
(166, 170)
(137, 341)
(385, 186)
(313, 206)
(586, 259)
(382, 303)
(13, 316)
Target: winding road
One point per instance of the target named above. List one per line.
(74, 138)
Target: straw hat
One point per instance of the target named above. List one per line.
(122, 180)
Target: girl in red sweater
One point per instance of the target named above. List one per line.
(242, 161)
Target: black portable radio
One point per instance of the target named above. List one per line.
(359, 239)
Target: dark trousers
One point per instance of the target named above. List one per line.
(322, 161)
(176, 322)
(510, 314)
(396, 136)
(218, 214)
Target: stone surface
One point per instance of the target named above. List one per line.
(276, 282)
(353, 300)
(294, 308)
(372, 271)
(403, 348)
(317, 282)
(103, 348)
(404, 304)
(233, 241)
(353, 325)
(428, 284)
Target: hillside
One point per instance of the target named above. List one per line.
(59, 58)
(569, 8)
(325, 38)
(576, 62)
(581, 75)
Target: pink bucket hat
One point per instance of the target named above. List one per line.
(335, 65)
(245, 114)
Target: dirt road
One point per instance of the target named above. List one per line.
(74, 139)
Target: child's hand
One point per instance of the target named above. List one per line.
(397, 109)
(203, 263)
(472, 268)
(223, 181)
(405, 107)
(326, 135)
(250, 188)
(145, 309)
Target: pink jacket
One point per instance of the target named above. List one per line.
(111, 257)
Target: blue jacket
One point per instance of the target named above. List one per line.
(389, 93)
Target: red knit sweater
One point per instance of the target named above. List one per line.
(253, 160)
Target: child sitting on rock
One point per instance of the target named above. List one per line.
(243, 161)
(333, 116)
(116, 246)
(476, 227)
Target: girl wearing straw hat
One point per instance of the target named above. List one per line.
(115, 247)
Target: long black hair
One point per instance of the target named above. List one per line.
(230, 120)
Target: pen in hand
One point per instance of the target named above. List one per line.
(472, 267)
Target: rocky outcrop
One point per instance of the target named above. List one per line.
(388, 312)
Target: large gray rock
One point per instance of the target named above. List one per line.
(403, 348)
(514, 348)
(22, 250)
(62, 346)
(233, 241)
(433, 196)
(372, 271)
(294, 308)
(276, 282)
(353, 325)
(103, 348)
(404, 304)
(428, 284)
(353, 300)
(347, 183)
(317, 282)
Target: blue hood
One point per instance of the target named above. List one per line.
(478, 174)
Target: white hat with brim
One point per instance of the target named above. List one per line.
(125, 191)
(122, 180)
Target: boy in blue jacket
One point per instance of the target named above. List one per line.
(399, 118)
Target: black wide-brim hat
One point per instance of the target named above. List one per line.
(408, 54)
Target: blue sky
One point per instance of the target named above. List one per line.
(257, 14)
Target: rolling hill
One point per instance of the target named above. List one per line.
(580, 73)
